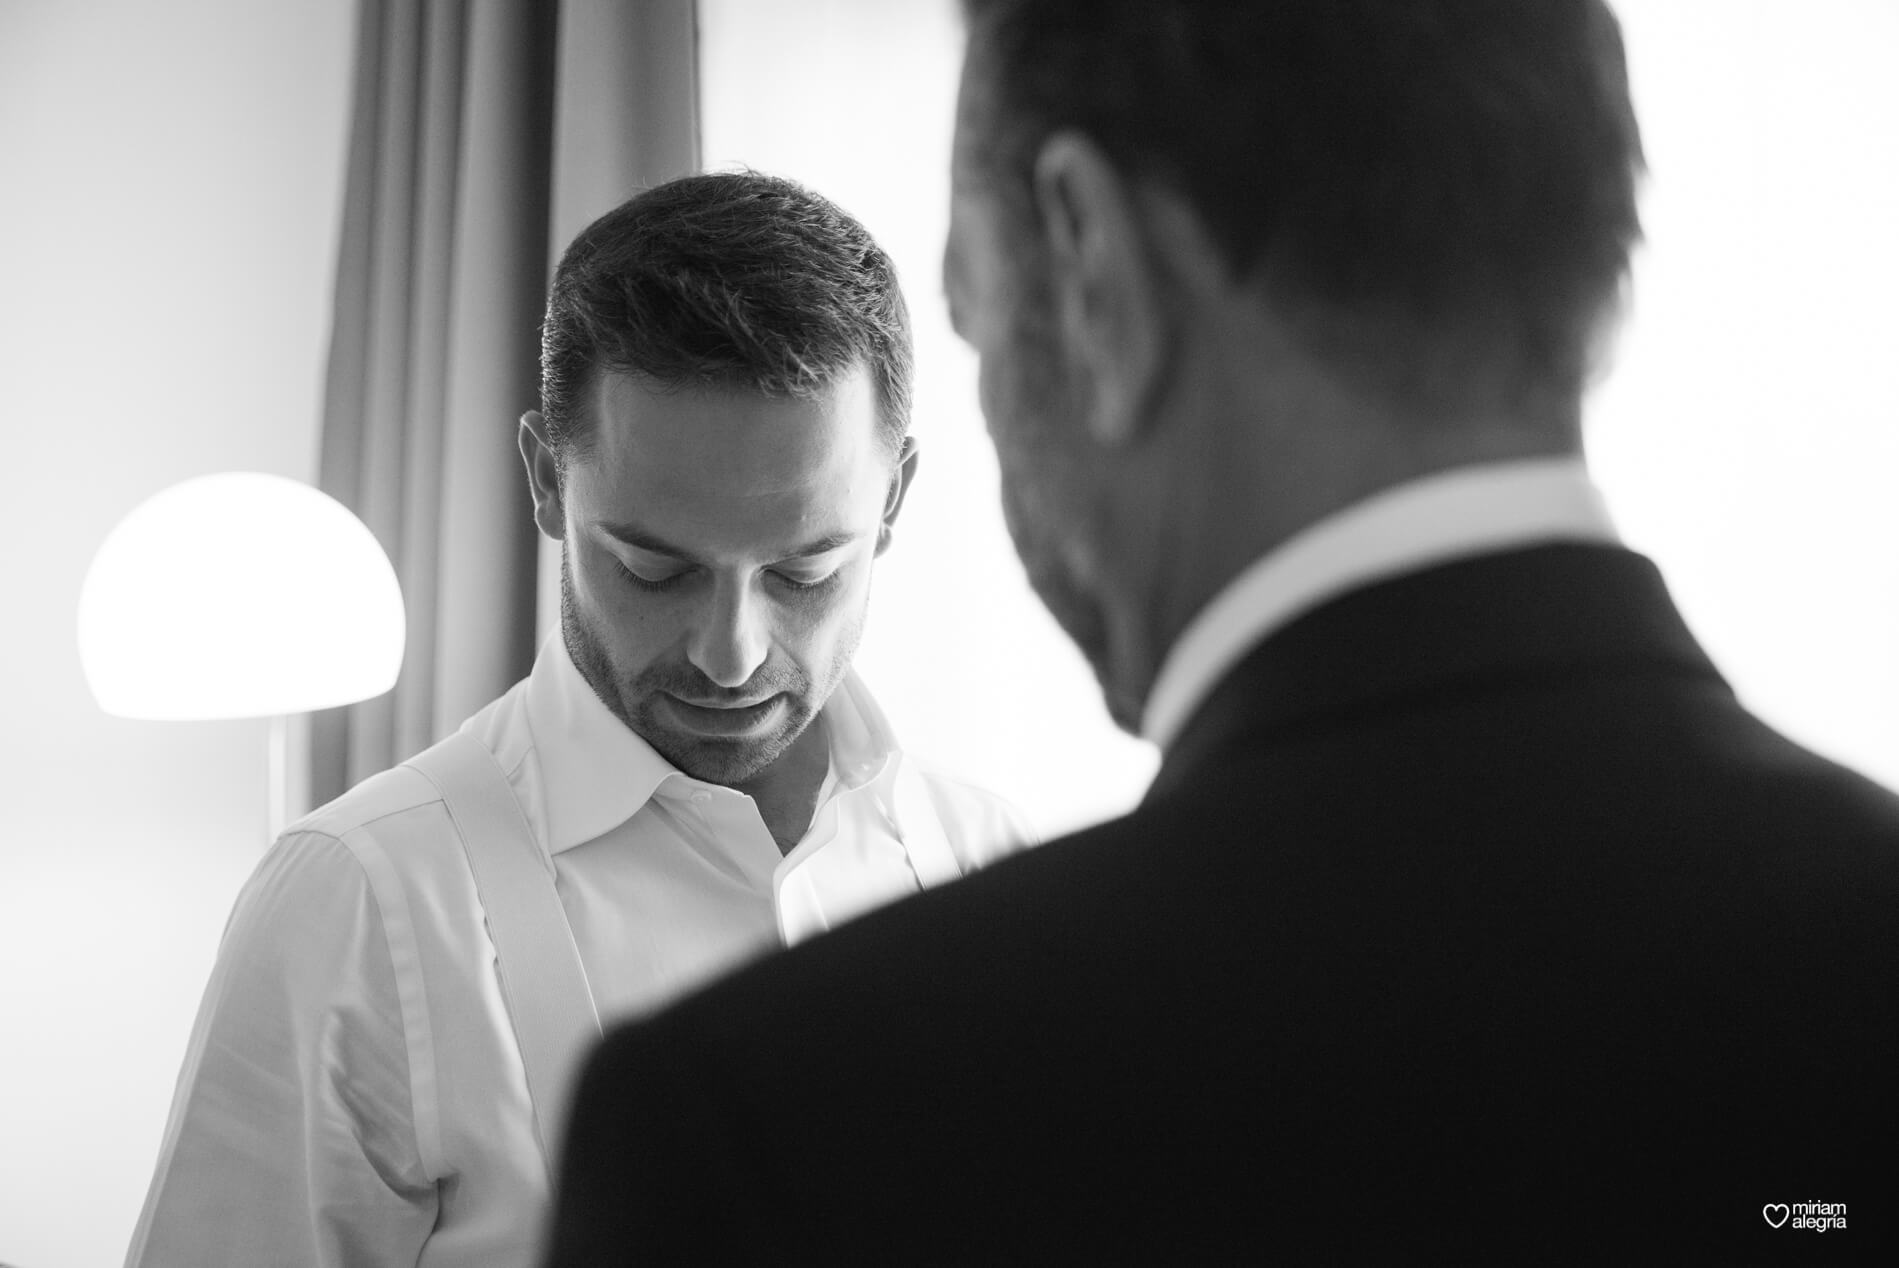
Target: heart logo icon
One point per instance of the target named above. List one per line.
(1775, 1213)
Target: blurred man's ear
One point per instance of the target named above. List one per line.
(899, 486)
(1107, 297)
(543, 473)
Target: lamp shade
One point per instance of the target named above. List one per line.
(239, 595)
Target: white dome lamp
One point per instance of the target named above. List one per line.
(240, 595)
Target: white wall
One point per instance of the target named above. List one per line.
(1748, 437)
(172, 185)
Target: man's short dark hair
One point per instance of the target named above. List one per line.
(1426, 165)
(729, 279)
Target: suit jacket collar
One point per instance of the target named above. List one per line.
(1478, 624)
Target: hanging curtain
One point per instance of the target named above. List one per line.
(484, 136)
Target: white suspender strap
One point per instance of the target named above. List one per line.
(542, 979)
(921, 831)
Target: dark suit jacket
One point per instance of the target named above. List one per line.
(1471, 916)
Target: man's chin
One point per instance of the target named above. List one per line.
(1091, 637)
(1086, 624)
(716, 759)
(725, 763)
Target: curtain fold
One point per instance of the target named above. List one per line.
(483, 136)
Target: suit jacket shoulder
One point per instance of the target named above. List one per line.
(1471, 906)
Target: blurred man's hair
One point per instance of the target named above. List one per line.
(1400, 171)
(731, 279)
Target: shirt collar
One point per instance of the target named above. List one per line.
(863, 744)
(1448, 515)
(597, 773)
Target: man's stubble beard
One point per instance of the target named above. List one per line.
(726, 763)
(1049, 403)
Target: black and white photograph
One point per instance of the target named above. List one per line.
(949, 632)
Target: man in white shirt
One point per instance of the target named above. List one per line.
(1470, 918)
(690, 776)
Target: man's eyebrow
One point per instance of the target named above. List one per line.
(824, 545)
(638, 538)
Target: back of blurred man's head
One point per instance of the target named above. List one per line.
(1232, 266)
(1414, 180)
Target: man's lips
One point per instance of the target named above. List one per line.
(728, 720)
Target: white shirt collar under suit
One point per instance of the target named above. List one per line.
(1448, 515)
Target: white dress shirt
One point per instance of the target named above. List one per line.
(353, 1093)
(1449, 515)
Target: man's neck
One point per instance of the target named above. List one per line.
(786, 792)
(1251, 508)
(1472, 510)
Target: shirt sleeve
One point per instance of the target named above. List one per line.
(291, 1139)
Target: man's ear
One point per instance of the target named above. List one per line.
(899, 486)
(543, 473)
(1107, 292)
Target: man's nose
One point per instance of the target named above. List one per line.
(732, 637)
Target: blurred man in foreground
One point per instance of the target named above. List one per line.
(1469, 914)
